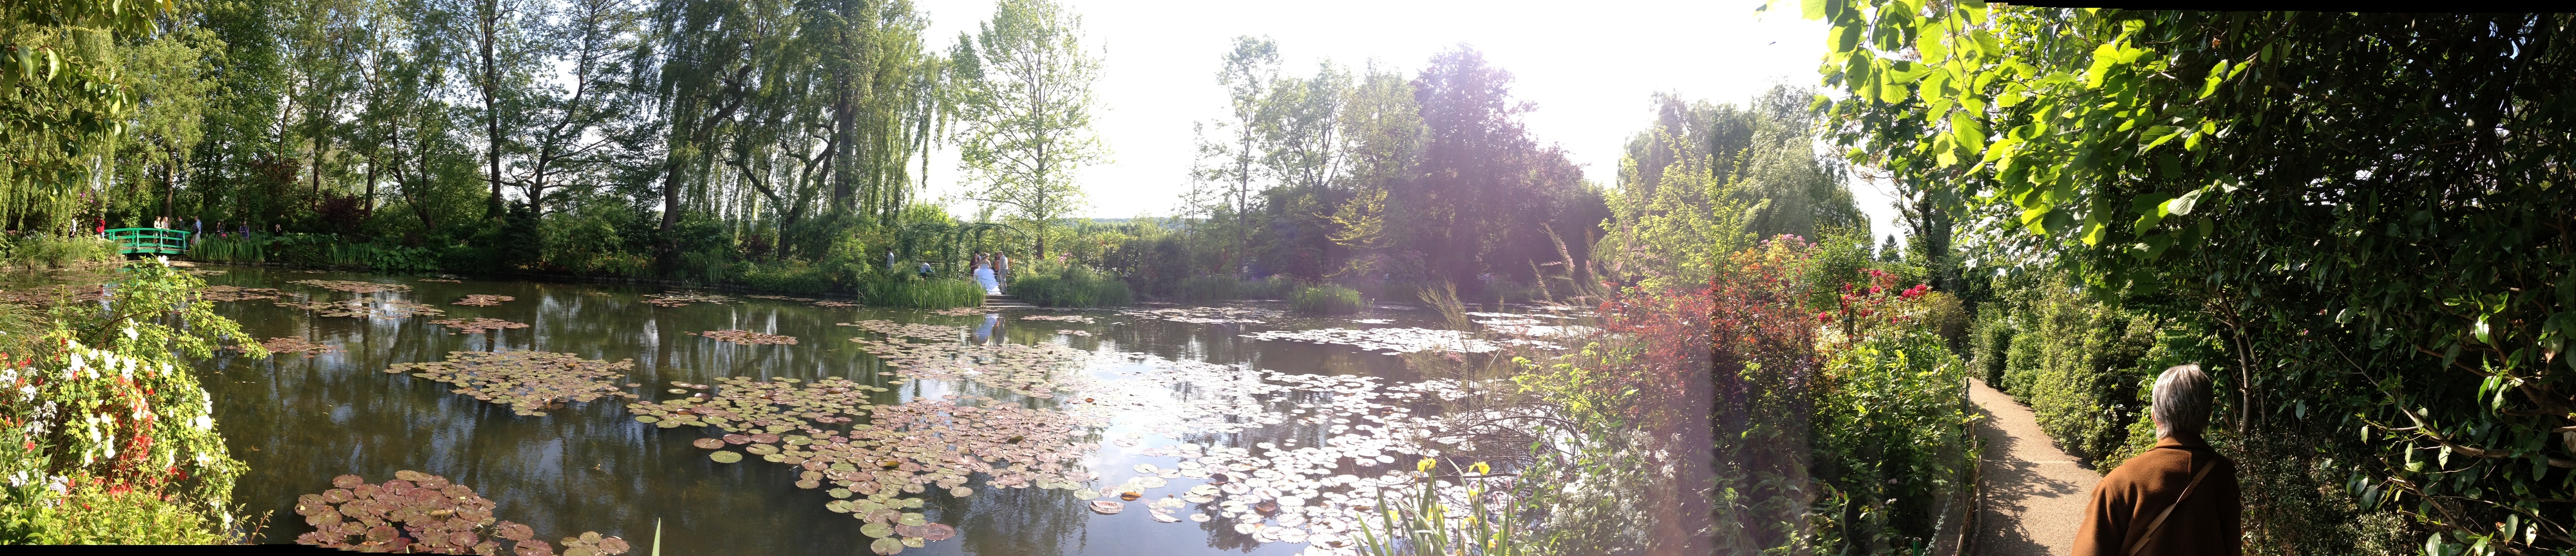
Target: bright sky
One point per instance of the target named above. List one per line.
(1589, 67)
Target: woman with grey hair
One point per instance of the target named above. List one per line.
(2177, 498)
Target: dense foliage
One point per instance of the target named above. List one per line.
(2365, 210)
(1386, 184)
(1070, 287)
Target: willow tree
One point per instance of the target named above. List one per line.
(1027, 116)
(61, 102)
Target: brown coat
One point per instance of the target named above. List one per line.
(2206, 524)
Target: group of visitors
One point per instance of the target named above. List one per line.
(990, 270)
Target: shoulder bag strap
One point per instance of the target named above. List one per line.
(2160, 517)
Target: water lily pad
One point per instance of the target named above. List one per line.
(961, 492)
(876, 530)
(478, 325)
(745, 337)
(679, 299)
(529, 381)
(708, 443)
(761, 449)
(887, 546)
(1105, 507)
(725, 456)
(938, 532)
(482, 300)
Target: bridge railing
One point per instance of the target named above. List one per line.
(149, 241)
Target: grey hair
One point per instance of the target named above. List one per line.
(2181, 401)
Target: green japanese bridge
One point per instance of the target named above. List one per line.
(149, 241)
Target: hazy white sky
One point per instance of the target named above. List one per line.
(1589, 66)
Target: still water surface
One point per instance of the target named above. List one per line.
(298, 421)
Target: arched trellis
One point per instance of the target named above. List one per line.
(944, 244)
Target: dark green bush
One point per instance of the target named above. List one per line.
(1326, 299)
(789, 276)
(1071, 287)
(1988, 342)
(1225, 288)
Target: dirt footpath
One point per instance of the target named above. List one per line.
(2034, 494)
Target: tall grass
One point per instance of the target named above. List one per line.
(1223, 288)
(50, 251)
(945, 293)
(1071, 287)
(1326, 299)
(1466, 520)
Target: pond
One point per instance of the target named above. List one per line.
(1023, 430)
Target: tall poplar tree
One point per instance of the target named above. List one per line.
(1027, 119)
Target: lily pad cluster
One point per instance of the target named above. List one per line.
(1388, 340)
(445, 280)
(1073, 332)
(423, 513)
(482, 300)
(681, 299)
(1062, 318)
(529, 381)
(1029, 370)
(1280, 491)
(877, 469)
(923, 331)
(276, 346)
(237, 293)
(960, 311)
(745, 405)
(745, 337)
(478, 325)
(365, 308)
(1219, 314)
(353, 287)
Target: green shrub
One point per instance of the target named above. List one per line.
(1988, 342)
(897, 290)
(93, 514)
(788, 276)
(1226, 288)
(1895, 443)
(1071, 287)
(1326, 299)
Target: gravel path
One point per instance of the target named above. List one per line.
(2034, 493)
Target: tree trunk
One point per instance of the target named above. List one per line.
(169, 182)
(490, 21)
